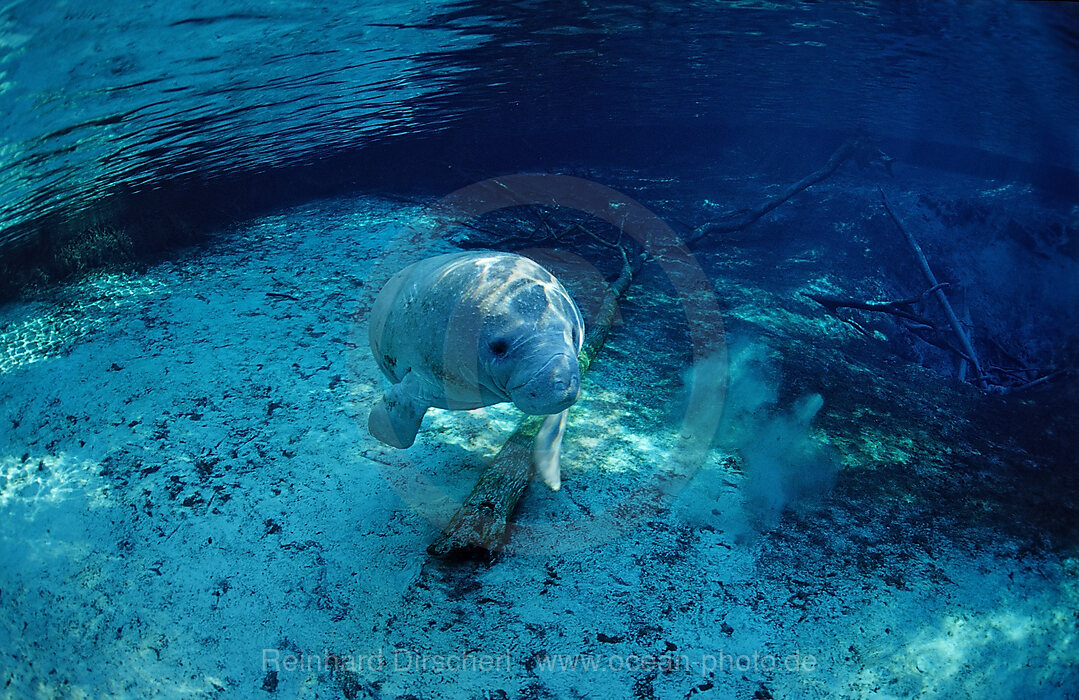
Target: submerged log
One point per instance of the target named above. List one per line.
(478, 528)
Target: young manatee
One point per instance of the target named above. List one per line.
(466, 330)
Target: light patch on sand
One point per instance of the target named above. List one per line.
(481, 430)
(39, 482)
(880, 447)
(968, 646)
(41, 334)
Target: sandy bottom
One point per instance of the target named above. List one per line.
(192, 506)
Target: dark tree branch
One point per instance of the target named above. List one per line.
(750, 216)
(895, 308)
(917, 325)
(949, 312)
(1041, 380)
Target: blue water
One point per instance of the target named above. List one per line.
(784, 452)
(118, 98)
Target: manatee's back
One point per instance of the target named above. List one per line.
(393, 329)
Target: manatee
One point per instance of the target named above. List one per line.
(466, 330)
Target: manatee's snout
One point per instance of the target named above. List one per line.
(552, 388)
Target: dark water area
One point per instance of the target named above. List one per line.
(107, 103)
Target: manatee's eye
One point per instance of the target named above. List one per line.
(499, 347)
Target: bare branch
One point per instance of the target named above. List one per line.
(953, 320)
(750, 216)
(1041, 380)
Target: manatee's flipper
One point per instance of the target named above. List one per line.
(548, 448)
(395, 419)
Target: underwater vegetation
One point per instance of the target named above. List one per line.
(100, 246)
(93, 242)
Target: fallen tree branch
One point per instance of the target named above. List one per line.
(917, 325)
(1008, 354)
(845, 151)
(899, 308)
(949, 312)
(1041, 380)
(478, 528)
(936, 342)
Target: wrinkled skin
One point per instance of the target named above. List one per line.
(466, 330)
